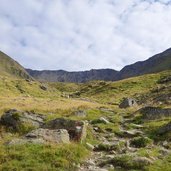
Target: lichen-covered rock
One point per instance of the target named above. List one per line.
(76, 129)
(54, 136)
(19, 120)
(152, 113)
(43, 136)
(128, 102)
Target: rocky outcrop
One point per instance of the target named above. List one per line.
(164, 129)
(76, 129)
(128, 102)
(55, 136)
(152, 113)
(43, 136)
(16, 119)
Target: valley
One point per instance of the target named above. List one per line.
(83, 126)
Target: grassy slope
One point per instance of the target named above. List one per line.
(20, 94)
(10, 67)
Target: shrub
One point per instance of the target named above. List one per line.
(140, 142)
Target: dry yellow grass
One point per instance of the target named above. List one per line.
(43, 105)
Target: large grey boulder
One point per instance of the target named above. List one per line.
(55, 136)
(43, 136)
(128, 102)
(17, 120)
(153, 113)
(76, 129)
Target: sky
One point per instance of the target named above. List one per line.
(78, 35)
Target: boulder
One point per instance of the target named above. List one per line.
(80, 113)
(128, 102)
(153, 113)
(43, 87)
(164, 129)
(43, 136)
(76, 129)
(54, 136)
(16, 119)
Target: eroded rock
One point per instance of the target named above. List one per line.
(76, 129)
(43, 136)
(17, 120)
(152, 113)
(128, 102)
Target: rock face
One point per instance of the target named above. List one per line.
(76, 129)
(128, 102)
(55, 136)
(79, 77)
(164, 129)
(152, 113)
(43, 136)
(15, 119)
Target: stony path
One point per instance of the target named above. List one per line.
(92, 164)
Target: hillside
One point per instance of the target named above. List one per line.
(78, 77)
(116, 138)
(40, 123)
(11, 67)
(157, 63)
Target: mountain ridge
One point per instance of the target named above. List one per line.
(156, 63)
(75, 76)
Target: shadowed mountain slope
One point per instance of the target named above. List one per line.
(78, 77)
(157, 63)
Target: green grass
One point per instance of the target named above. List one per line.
(39, 157)
(23, 95)
(10, 67)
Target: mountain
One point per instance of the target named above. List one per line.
(11, 67)
(156, 63)
(78, 77)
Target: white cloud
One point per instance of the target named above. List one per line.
(83, 34)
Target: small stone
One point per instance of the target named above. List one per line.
(90, 146)
(104, 120)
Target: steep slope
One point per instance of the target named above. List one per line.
(157, 63)
(79, 77)
(11, 67)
